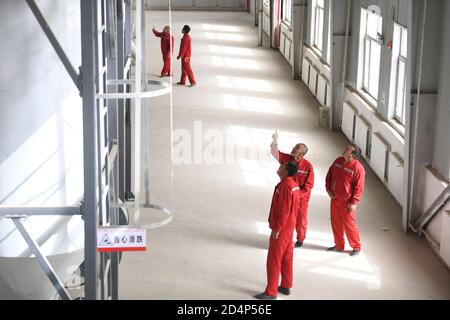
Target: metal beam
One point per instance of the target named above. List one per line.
(42, 260)
(40, 211)
(433, 210)
(54, 42)
(88, 32)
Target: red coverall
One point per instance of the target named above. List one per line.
(185, 55)
(346, 182)
(166, 51)
(305, 180)
(282, 218)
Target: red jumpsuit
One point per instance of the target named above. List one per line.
(185, 55)
(305, 180)
(346, 182)
(166, 50)
(282, 218)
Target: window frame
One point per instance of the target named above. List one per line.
(367, 38)
(401, 60)
(286, 11)
(317, 9)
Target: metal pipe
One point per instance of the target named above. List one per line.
(40, 211)
(302, 31)
(42, 260)
(416, 119)
(89, 148)
(344, 58)
(260, 23)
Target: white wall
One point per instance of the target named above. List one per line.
(41, 150)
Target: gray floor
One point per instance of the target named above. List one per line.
(216, 246)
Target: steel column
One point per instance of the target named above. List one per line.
(88, 32)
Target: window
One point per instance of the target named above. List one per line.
(400, 49)
(286, 11)
(371, 24)
(317, 23)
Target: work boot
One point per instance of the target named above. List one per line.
(354, 253)
(334, 249)
(263, 296)
(298, 244)
(285, 291)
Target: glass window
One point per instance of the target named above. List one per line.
(286, 11)
(371, 27)
(399, 63)
(318, 13)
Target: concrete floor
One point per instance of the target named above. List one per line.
(216, 246)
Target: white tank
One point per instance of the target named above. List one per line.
(41, 150)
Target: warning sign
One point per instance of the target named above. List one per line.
(121, 239)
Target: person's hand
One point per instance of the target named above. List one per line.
(275, 137)
(153, 29)
(274, 235)
(178, 58)
(351, 207)
(331, 194)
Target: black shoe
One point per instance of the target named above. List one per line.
(181, 84)
(285, 291)
(298, 244)
(334, 249)
(354, 253)
(262, 296)
(192, 85)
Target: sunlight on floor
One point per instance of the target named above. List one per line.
(254, 104)
(224, 36)
(235, 63)
(222, 28)
(230, 50)
(249, 84)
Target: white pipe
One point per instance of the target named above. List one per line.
(302, 30)
(137, 112)
(416, 117)
(344, 58)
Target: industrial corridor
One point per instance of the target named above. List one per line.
(216, 246)
(121, 182)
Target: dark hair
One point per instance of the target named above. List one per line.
(356, 151)
(291, 168)
(186, 29)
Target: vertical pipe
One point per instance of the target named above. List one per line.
(260, 22)
(89, 152)
(344, 59)
(121, 103)
(416, 120)
(302, 35)
(137, 112)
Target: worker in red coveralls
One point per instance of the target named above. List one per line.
(283, 213)
(345, 185)
(304, 178)
(166, 50)
(185, 56)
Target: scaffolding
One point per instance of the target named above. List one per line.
(104, 83)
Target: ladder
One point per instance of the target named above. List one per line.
(103, 58)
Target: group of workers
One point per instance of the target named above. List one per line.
(167, 45)
(344, 184)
